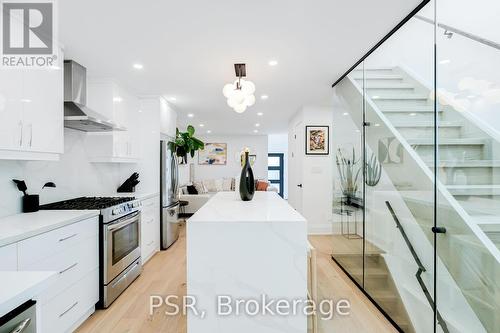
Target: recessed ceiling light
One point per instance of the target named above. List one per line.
(202, 125)
(273, 62)
(256, 131)
(190, 115)
(375, 97)
(209, 131)
(140, 111)
(377, 125)
(138, 66)
(172, 99)
(260, 113)
(257, 125)
(413, 114)
(345, 113)
(117, 99)
(264, 97)
(357, 131)
(445, 61)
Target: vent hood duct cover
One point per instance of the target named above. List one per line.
(76, 114)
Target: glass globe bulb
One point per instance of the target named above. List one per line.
(250, 100)
(240, 108)
(248, 87)
(238, 97)
(228, 90)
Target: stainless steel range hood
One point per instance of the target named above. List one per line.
(76, 114)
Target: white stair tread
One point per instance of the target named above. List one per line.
(474, 189)
(426, 124)
(448, 142)
(388, 85)
(371, 76)
(488, 219)
(409, 108)
(383, 97)
(469, 164)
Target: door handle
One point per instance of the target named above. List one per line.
(21, 136)
(299, 185)
(22, 326)
(31, 134)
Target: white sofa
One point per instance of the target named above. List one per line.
(195, 201)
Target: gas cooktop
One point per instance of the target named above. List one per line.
(87, 203)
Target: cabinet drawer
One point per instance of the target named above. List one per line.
(56, 241)
(71, 265)
(151, 204)
(62, 312)
(8, 257)
(150, 238)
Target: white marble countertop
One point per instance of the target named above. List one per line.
(228, 207)
(22, 286)
(17, 227)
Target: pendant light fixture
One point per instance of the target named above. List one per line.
(240, 94)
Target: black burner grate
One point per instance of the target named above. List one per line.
(87, 203)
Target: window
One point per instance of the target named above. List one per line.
(275, 170)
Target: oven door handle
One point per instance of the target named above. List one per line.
(124, 222)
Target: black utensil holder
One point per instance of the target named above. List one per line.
(31, 203)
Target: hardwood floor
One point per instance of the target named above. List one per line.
(165, 274)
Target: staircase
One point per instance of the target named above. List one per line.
(468, 202)
(378, 281)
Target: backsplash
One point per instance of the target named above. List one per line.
(73, 174)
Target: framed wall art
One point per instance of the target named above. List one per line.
(317, 140)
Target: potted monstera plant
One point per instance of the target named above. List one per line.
(185, 143)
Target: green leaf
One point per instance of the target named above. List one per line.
(190, 130)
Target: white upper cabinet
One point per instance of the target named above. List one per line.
(121, 108)
(31, 113)
(168, 118)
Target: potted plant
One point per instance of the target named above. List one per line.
(185, 143)
(349, 172)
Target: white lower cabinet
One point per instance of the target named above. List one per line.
(8, 258)
(68, 309)
(73, 252)
(150, 227)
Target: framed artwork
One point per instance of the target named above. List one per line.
(317, 140)
(213, 154)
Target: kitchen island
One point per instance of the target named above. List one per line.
(251, 252)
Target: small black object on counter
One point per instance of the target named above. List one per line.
(129, 184)
(247, 182)
(31, 202)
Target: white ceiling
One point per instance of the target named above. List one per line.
(188, 48)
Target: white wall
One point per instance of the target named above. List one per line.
(235, 144)
(75, 176)
(316, 172)
(278, 143)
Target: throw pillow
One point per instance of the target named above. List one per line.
(227, 184)
(262, 185)
(218, 185)
(200, 187)
(210, 185)
(192, 189)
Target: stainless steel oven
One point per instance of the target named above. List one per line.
(122, 241)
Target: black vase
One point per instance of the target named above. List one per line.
(247, 183)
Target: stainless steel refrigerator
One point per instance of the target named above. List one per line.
(169, 195)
